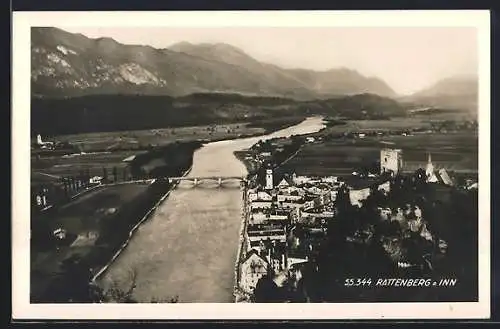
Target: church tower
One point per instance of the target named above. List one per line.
(269, 179)
(430, 171)
(430, 168)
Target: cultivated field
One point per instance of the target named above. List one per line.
(88, 211)
(141, 139)
(379, 125)
(50, 167)
(453, 151)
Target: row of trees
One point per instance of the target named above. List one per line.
(57, 193)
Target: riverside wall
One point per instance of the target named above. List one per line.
(132, 231)
(239, 295)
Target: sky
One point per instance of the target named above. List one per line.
(407, 59)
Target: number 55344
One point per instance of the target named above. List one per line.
(356, 282)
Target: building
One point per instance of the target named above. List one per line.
(292, 204)
(299, 180)
(60, 233)
(385, 213)
(257, 217)
(288, 197)
(43, 145)
(437, 176)
(357, 196)
(277, 234)
(96, 180)
(385, 187)
(264, 196)
(279, 216)
(473, 186)
(252, 196)
(391, 161)
(269, 179)
(284, 183)
(276, 256)
(258, 204)
(265, 155)
(445, 177)
(252, 269)
(430, 172)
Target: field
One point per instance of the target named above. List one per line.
(51, 168)
(87, 212)
(452, 151)
(141, 139)
(83, 219)
(380, 125)
(109, 149)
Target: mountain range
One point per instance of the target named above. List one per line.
(458, 92)
(67, 64)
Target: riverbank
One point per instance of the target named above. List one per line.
(240, 296)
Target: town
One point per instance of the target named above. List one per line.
(288, 220)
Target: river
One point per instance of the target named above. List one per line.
(188, 247)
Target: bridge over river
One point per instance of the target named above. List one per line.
(219, 180)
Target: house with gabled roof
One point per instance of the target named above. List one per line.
(252, 269)
(285, 182)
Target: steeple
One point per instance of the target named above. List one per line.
(429, 171)
(430, 168)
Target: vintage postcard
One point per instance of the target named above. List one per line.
(198, 165)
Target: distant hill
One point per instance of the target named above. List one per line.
(457, 93)
(67, 64)
(98, 113)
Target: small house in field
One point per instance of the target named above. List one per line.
(96, 180)
(60, 233)
(310, 139)
(129, 159)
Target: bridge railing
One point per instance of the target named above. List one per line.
(208, 178)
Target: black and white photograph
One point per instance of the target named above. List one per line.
(229, 158)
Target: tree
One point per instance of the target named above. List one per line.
(115, 294)
(104, 174)
(266, 291)
(81, 178)
(72, 184)
(65, 186)
(115, 175)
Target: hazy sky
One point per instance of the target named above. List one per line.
(408, 59)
